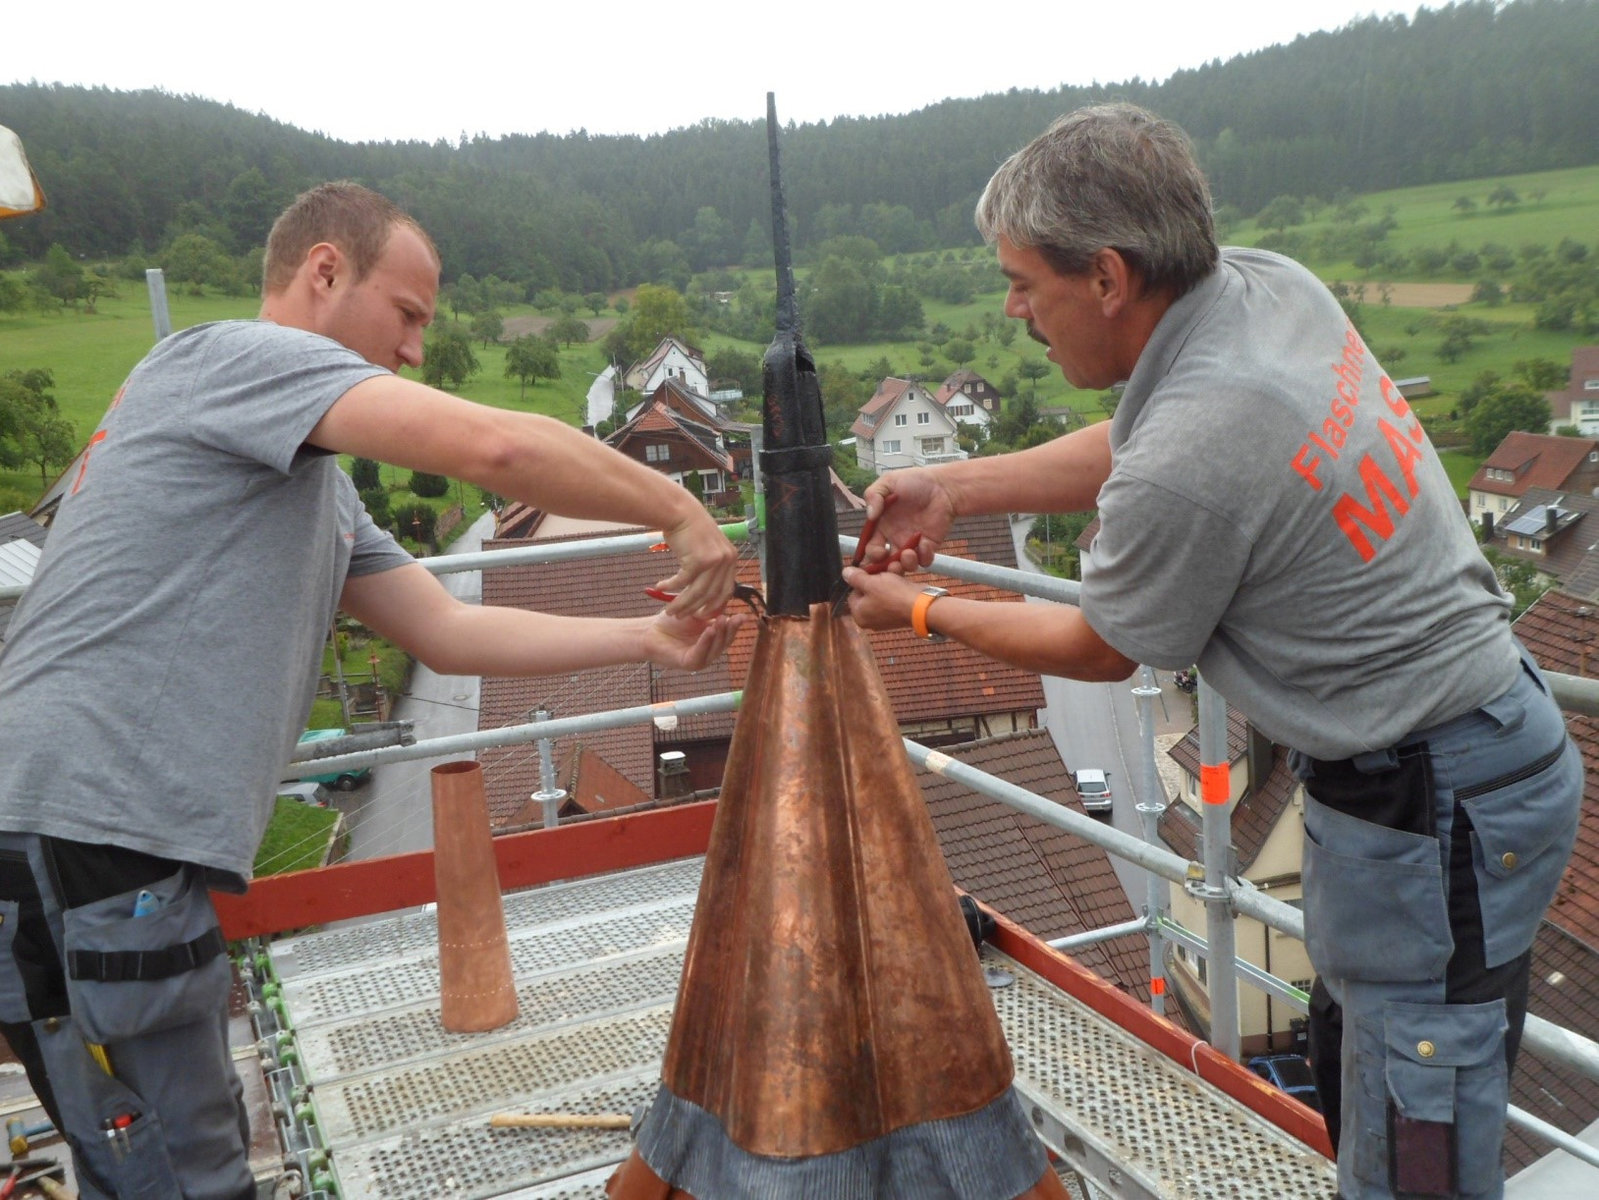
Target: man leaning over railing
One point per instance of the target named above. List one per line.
(162, 663)
(1272, 510)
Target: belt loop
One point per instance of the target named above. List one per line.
(1375, 762)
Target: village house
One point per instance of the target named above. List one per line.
(672, 359)
(1578, 404)
(967, 396)
(1529, 460)
(903, 425)
(1267, 809)
(685, 437)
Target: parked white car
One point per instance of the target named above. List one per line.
(1093, 785)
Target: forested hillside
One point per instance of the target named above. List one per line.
(1468, 90)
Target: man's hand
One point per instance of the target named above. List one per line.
(908, 502)
(688, 643)
(707, 566)
(881, 601)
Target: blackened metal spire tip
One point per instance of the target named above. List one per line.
(787, 309)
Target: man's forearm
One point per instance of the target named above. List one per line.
(1063, 475)
(514, 642)
(534, 459)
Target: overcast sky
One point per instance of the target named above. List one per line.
(406, 71)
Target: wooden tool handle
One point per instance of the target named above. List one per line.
(51, 1188)
(561, 1121)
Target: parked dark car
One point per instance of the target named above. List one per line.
(344, 781)
(1289, 1072)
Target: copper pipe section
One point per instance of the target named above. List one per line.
(830, 992)
(476, 991)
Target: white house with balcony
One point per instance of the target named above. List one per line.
(904, 425)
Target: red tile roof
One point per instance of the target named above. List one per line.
(926, 681)
(874, 410)
(1534, 460)
(1052, 882)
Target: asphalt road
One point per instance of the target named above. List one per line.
(1096, 725)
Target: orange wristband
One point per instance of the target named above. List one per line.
(923, 602)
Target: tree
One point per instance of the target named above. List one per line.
(960, 351)
(364, 474)
(448, 359)
(595, 302)
(32, 429)
(424, 483)
(657, 312)
(488, 327)
(1543, 374)
(1503, 197)
(1281, 213)
(60, 276)
(531, 358)
(1508, 407)
(1032, 370)
(13, 296)
(1464, 205)
(568, 331)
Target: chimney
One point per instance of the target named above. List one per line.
(1551, 518)
(1487, 526)
(671, 775)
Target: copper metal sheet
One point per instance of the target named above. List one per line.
(831, 993)
(476, 990)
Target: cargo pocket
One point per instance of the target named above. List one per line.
(1375, 908)
(1447, 1090)
(129, 975)
(1522, 834)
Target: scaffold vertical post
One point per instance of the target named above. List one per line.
(548, 794)
(1216, 790)
(1149, 810)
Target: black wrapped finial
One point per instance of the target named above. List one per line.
(802, 557)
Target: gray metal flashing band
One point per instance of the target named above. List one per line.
(786, 460)
(990, 1154)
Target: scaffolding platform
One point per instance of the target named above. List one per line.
(402, 1107)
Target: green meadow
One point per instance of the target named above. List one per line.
(90, 353)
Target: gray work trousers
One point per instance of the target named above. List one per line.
(167, 1119)
(1426, 964)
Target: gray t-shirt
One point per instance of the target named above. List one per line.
(1275, 513)
(162, 664)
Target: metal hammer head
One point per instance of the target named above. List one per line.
(19, 1132)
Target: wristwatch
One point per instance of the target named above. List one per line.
(919, 613)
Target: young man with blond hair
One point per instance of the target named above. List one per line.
(160, 667)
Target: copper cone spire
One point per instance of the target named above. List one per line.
(476, 991)
(833, 1035)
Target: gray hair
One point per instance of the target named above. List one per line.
(1112, 176)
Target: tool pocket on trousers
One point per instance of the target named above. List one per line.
(1375, 908)
(1447, 1090)
(13, 990)
(1522, 834)
(146, 960)
(141, 1163)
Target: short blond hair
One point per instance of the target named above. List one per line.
(356, 219)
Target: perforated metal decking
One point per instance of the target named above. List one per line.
(403, 1106)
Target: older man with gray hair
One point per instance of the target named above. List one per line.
(1272, 510)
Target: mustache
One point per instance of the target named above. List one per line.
(1032, 332)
